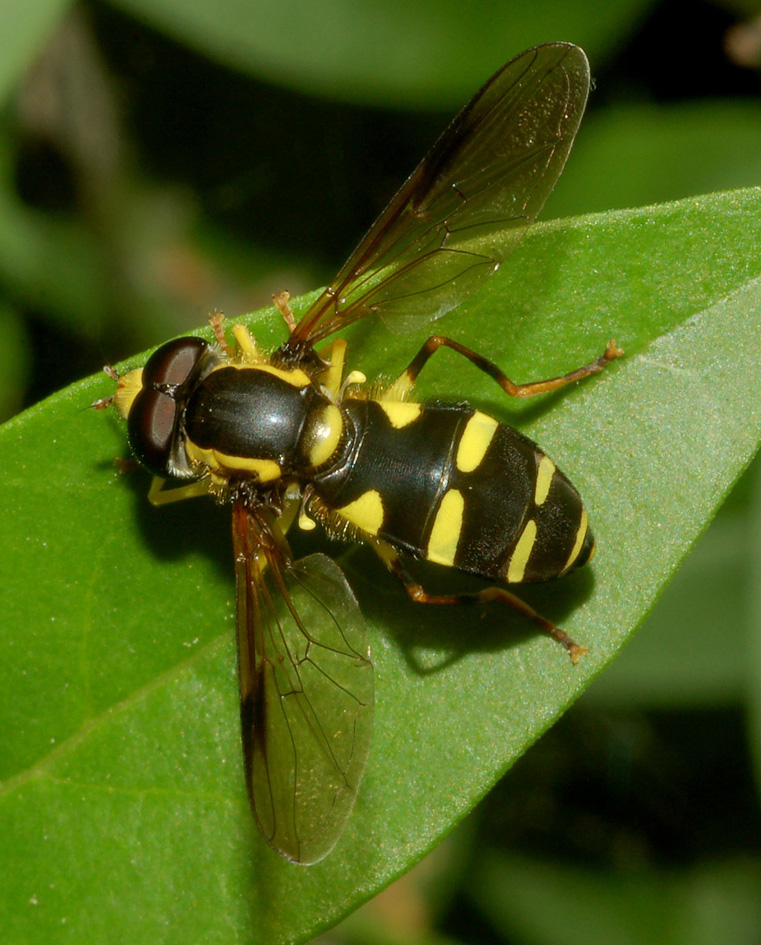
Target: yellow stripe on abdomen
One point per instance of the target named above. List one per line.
(447, 526)
(581, 534)
(400, 413)
(366, 512)
(521, 553)
(474, 442)
(544, 475)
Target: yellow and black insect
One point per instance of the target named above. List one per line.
(286, 436)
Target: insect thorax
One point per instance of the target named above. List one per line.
(261, 423)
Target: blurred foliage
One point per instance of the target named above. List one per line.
(160, 160)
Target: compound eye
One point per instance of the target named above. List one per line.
(150, 425)
(173, 362)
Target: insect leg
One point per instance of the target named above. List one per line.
(408, 377)
(418, 594)
(248, 350)
(281, 302)
(334, 356)
(332, 379)
(216, 321)
(158, 495)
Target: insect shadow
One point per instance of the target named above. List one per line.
(433, 638)
(178, 529)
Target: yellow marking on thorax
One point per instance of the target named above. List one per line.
(521, 553)
(581, 534)
(323, 434)
(294, 376)
(399, 413)
(447, 526)
(366, 512)
(544, 475)
(474, 442)
(263, 470)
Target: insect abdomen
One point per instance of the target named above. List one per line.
(453, 485)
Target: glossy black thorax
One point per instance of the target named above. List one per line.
(251, 413)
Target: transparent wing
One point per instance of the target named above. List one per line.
(469, 202)
(306, 684)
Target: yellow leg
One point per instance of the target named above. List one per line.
(158, 495)
(248, 350)
(245, 350)
(332, 379)
(334, 356)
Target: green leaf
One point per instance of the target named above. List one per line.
(123, 810)
(692, 651)
(24, 28)
(384, 52)
(752, 665)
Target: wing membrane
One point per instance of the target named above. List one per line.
(468, 203)
(306, 689)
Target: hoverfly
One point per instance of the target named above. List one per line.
(285, 436)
